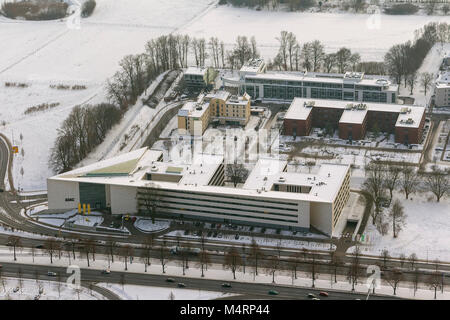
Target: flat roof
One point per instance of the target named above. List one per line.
(196, 175)
(443, 81)
(196, 71)
(193, 109)
(353, 116)
(299, 110)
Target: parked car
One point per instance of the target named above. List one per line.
(209, 234)
(236, 237)
(39, 246)
(51, 274)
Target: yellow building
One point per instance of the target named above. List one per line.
(194, 117)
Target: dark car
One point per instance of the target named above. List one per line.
(273, 292)
(181, 285)
(236, 237)
(1, 190)
(170, 280)
(209, 234)
(226, 285)
(39, 246)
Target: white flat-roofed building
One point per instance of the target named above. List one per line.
(442, 90)
(271, 196)
(285, 86)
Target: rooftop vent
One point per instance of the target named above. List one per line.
(282, 179)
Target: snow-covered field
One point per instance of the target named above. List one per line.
(134, 292)
(41, 54)
(11, 289)
(426, 232)
(369, 35)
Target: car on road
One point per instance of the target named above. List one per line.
(39, 246)
(273, 292)
(51, 274)
(311, 295)
(1, 190)
(315, 299)
(181, 285)
(323, 293)
(236, 237)
(106, 271)
(226, 285)
(16, 289)
(170, 280)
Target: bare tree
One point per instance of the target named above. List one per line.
(126, 252)
(16, 243)
(402, 259)
(385, 256)
(398, 218)
(416, 280)
(392, 179)
(255, 255)
(426, 78)
(313, 269)
(374, 185)
(437, 181)
(148, 246)
(203, 261)
(409, 181)
(412, 81)
(111, 246)
(232, 261)
(237, 173)
(354, 271)
(163, 254)
(148, 199)
(434, 281)
(394, 277)
(272, 265)
(412, 260)
(318, 53)
(50, 246)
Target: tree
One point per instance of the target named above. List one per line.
(434, 281)
(426, 79)
(394, 277)
(50, 246)
(204, 261)
(385, 256)
(232, 261)
(126, 252)
(237, 173)
(111, 246)
(255, 255)
(374, 185)
(272, 265)
(437, 181)
(15, 242)
(402, 259)
(148, 246)
(392, 179)
(354, 271)
(412, 259)
(412, 80)
(409, 181)
(345, 58)
(416, 280)
(329, 61)
(398, 218)
(163, 256)
(149, 198)
(313, 269)
(318, 54)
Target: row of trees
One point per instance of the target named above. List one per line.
(83, 130)
(241, 259)
(403, 60)
(382, 180)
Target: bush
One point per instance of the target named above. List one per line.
(88, 8)
(404, 8)
(35, 10)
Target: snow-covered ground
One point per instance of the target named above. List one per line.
(27, 289)
(43, 53)
(134, 292)
(426, 232)
(369, 35)
(146, 225)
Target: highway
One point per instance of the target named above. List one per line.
(254, 290)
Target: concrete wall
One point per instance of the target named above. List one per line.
(63, 194)
(321, 216)
(123, 200)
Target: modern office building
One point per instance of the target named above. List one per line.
(221, 106)
(442, 90)
(272, 196)
(285, 86)
(354, 119)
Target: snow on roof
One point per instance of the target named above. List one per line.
(196, 175)
(323, 185)
(299, 110)
(219, 94)
(196, 71)
(252, 65)
(443, 81)
(193, 109)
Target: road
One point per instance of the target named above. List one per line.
(251, 290)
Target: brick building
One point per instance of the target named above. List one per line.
(353, 120)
